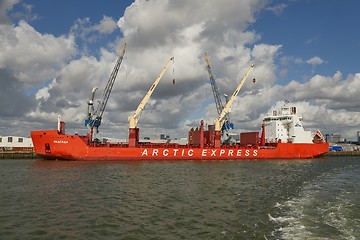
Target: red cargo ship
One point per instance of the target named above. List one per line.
(282, 136)
(285, 139)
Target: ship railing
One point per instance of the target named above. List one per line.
(108, 145)
(161, 145)
(272, 146)
(235, 146)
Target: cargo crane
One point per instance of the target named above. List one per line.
(220, 120)
(134, 118)
(219, 105)
(94, 117)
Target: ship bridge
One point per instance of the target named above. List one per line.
(285, 125)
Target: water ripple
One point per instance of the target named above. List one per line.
(180, 200)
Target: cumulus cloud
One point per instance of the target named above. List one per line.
(333, 92)
(33, 56)
(155, 31)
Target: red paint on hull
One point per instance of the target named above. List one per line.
(49, 144)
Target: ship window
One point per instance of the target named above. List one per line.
(0, 139)
(10, 139)
(20, 140)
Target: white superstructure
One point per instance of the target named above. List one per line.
(285, 126)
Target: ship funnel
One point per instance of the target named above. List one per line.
(61, 126)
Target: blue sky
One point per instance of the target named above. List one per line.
(321, 28)
(57, 17)
(55, 52)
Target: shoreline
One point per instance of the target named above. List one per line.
(342, 153)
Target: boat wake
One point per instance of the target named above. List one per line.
(326, 209)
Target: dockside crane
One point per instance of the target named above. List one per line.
(215, 90)
(94, 117)
(219, 121)
(219, 105)
(134, 118)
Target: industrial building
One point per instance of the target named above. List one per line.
(9, 142)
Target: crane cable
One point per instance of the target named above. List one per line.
(173, 71)
(254, 78)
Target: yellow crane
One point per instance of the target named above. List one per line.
(134, 118)
(219, 121)
(219, 105)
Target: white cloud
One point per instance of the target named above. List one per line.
(106, 25)
(328, 103)
(43, 93)
(32, 56)
(315, 61)
(155, 31)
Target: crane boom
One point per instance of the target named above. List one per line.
(94, 117)
(134, 118)
(219, 121)
(105, 97)
(219, 105)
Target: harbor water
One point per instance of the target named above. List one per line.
(292, 199)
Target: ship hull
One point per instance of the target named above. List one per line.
(49, 144)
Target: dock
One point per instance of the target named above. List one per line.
(17, 155)
(343, 153)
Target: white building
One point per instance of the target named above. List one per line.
(14, 141)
